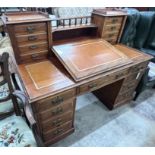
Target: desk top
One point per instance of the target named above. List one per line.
(86, 59)
(49, 77)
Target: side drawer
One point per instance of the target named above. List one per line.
(23, 29)
(57, 121)
(113, 20)
(57, 131)
(56, 111)
(30, 48)
(55, 100)
(29, 39)
(33, 57)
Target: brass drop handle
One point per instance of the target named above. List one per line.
(33, 47)
(114, 20)
(110, 35)
(113, 28)
(57, 111)
(30, 29)
(57, 100)
(93, 85)
(58, 131)
(35, 57)
(119, 75)
(32, 38)
(57, 122)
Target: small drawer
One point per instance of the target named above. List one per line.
(113, 20)
(33, 57)
(28, 49)
(110, 35)
(139, 67)
(90, 86)
(24, 29)
(57, 121)
(112, 28)
(57, 131)
(29, 39)
(56, 111)
(118, 75)
(54, 100)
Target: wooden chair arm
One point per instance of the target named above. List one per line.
(27, 109)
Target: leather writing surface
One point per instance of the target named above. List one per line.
(43, 78)
(83, 60)
(44, 74)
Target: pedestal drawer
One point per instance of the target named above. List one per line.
(56, 111)
(55, 100)
(57, 131)
(57, 121)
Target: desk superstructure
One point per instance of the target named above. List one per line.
(75, 67)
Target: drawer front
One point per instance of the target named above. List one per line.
(57, 121)
(112, 28)
(34, 57)
(29, 39)
(95, 84)
(90, 86)
(23, 29)
(113, 20)
(138, 67)
(110, 35)
(54, 100)
(31, 48)
(57, 131)
(56, 111)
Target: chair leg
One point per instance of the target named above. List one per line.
(3, 33)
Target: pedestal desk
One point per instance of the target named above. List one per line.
(76, 66)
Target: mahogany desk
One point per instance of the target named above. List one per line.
(53, 78)
(52, 91)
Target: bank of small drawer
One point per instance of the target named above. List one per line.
(56, 111)
(112, 28)
(57, 121)
(113, 20)
(23, 29)
(34, 57)
(32, 48)
(29, 39)
(57, 131)
(139, 67)
(54, 100)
